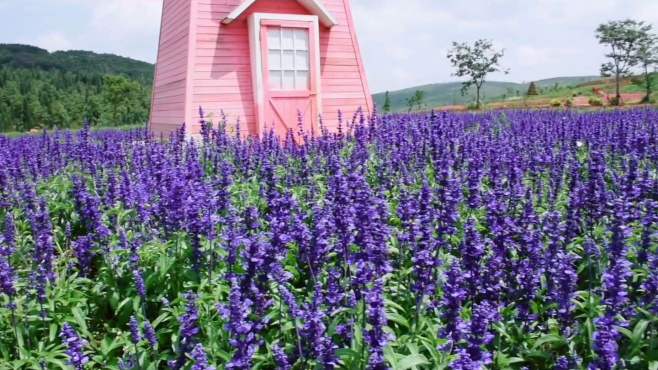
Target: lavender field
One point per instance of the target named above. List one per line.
(501, 240)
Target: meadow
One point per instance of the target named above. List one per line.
(498, 240)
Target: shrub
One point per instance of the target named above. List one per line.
(615, 101)
(556, 103)
(532, 89)
(595, 101)
(568, 103)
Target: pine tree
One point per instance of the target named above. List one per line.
(387, 103)
(532, 90)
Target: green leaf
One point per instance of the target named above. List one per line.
(411, 361)
(398, 319)
(80, 320)
(549, 339)
(639, 330)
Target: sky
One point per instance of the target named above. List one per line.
(404, 42)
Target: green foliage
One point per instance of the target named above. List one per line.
(475, 62)
(416, 102)
(532, 89)
(568, 103)
(625, 39)
(556, 103)
(387, 103)
(595, 101)
(39, 90)
(450, 93)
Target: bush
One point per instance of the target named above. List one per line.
(532, 89)
(556, 103)
(615, 101)
(596, 101)
(568, 103)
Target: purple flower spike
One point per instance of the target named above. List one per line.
(75, 347)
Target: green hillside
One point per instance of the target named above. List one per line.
(450, 93)
(39, 89)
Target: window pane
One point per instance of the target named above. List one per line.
(287, 35)
(288, 61)
(275, 80)
(274, 38)
(289, 80)
(301, 39)
(275, 60)
(302, 81)
(301, 60)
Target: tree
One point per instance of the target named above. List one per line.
(475, 62)
(416, 100)
(121, 93)
(387, 103)
(624, 39)
(532, 89)
(647, 55)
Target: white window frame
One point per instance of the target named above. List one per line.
(255, 24)
(281, 50)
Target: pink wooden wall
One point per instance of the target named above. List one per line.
(217, 72)
(168, 101)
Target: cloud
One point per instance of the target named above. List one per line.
(53, 41)
(129, 26)
(404, 42)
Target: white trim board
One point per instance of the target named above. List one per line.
(314, 6)
(255, 23)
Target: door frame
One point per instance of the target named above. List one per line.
(255, 23)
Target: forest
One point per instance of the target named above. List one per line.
(42, 90)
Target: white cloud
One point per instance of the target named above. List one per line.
(128, 26)
(542, 38)
(53, 41)
(404, 42)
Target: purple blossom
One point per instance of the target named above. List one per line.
(454, 296)
(242, 329)
(281, 359)
(75, 347)
(83, 249)
(189, 330)
(200, 358)
(8, 245)
(375, 337)
(605, 344)
(150, 335)
(7, 278)
(135, 335)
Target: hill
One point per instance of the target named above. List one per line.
(78, 61)
(39, 89)
(450, 93)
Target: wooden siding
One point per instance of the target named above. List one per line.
(217, 76)
(169, 87)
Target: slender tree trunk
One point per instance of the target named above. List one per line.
(477, 98)
(618, 87)
(647, 80)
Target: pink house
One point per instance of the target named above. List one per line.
(259, 61)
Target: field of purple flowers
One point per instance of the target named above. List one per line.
(502, 240)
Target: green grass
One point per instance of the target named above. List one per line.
(442, 94)
(96, 128)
